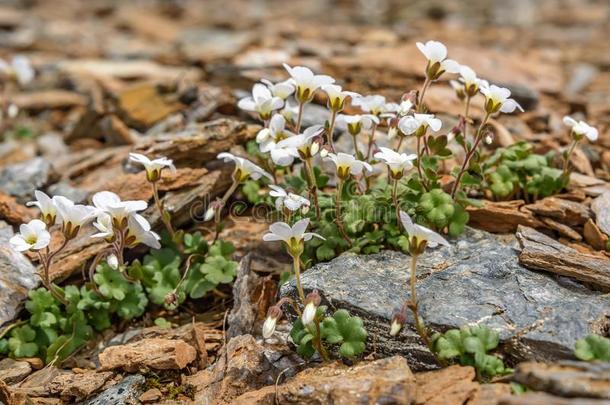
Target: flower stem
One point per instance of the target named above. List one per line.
(400, 139)
(395, 199)
(45, 261)
(422, 93)
(566, 162)
(331, 129)
(356, 151)
(469, 155)
(300, 118)
(371, 141)
(318, 342)
(164, 215)
(419, 326)
(313, 189)
(418, 163)
(338, 219)
(296, 266)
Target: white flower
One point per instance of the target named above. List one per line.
(293, 202)
(138, 231)
(31, 236)
(355, 123)
(290, 112)
(20, 68)
(309, 313)
(244, 168)
(421, 233)
(397, 162)
(347, 164)
(269, 137)
(261, 101)
(306, 82)
(375, 105)
(419, 123)
(269, 327)
(581, 128)
(436, 53)
(293, 236)
(301, 146)
(73, 216)
(404, 107)
(497, 99)
(153, 167)
(46, 205)
(282, 90)
(111, 203)
(337, 96)
(103, 224)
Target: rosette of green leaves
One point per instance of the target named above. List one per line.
(470, 345)
(592, 348)
(341, 329)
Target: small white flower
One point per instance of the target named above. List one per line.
(498, 99)
(290, 112)
(419, 123)
(306, 82)
(355, 123)
(103, 224)
(209, 214)
(337, 96)
(20, 68)
(244, 168)
(112, 261)
(269, 137)
(397, 162)
(282, 90)
(581, 128)
(293, 202)
(404, 107)
(261, 101)
(293, 236)
(436, 53)
(375, 104)
(73, 216)
(139, 231)
(111, 203)
(12, 110)
(31, 236)
(421, 233)
(309, 313)
(269, 327)
(153, 167)
(347, 164)
(46, 205)
(302, 146)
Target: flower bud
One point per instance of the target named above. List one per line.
(324, 151)
(209, 214)
(171, 299)
(312, 301)
(274, 313)
(398, 320)
(113, 261)
(315, 147)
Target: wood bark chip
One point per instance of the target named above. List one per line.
(156, 354)
(501, 217)
(594, 236)
(601, 208)
(540, 252)
(565, 211)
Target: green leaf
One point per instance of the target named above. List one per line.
(302, 339)
(21, 343)
(347, 330)
(111, 283)
(163, 323)
(593, 347)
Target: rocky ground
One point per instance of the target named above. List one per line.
(163, 78)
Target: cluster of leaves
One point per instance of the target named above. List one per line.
(592, 348)
(470, 345)
(341, 329)
(518, 172)
(54, 331)
(160, 271)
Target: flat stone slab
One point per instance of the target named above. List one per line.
(478, 280)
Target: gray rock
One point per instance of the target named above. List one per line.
(525, 96)
(21, 179)
(17, 276)
(124, 393)
(477, 280)
(243, 314)
(75, 194)
(211, 44)
(13, 371)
